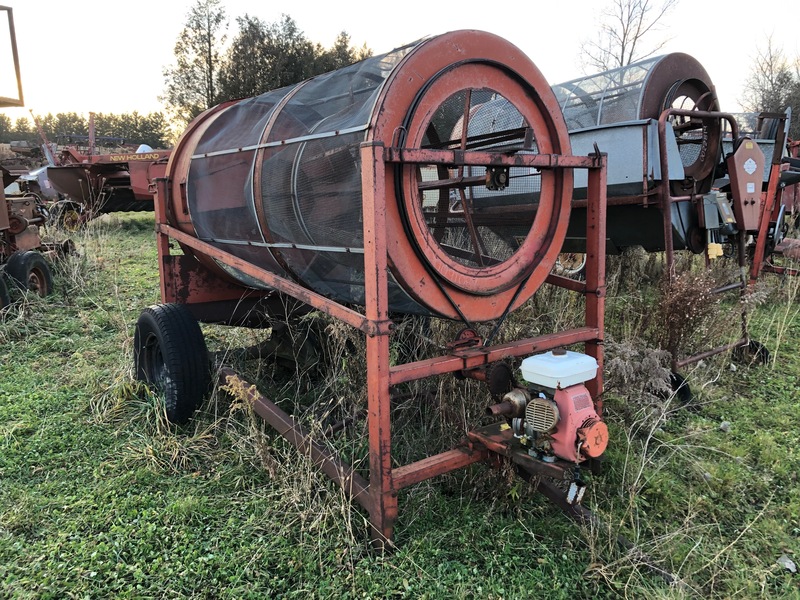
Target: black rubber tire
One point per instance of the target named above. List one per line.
(29, 271)
(5, 299)
(170, 354)
(681, 388)
(754, 353)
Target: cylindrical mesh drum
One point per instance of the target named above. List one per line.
(276, 179)
(643, 90)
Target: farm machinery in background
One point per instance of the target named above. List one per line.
(95, 184)
(78, 183)
(680, 174)
(21, 215)
(788, 248)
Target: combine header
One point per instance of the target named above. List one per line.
(433, 180)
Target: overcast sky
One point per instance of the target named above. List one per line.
(102, 56)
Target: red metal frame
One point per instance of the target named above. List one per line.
(379, 493)
(770, 203)
(771, 200)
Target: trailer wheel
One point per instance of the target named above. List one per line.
(681, 388)
(5, 299)
(571, 264)
(29, 271)
(753, 353)
(170, 354)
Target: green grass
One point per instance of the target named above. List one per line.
(100, 497)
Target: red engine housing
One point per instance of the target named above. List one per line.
(580, 434)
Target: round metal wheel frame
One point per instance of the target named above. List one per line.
(430, 75)
(29, 271)
(68, 216)
(571, 264)
(170, 354)
(680, 81)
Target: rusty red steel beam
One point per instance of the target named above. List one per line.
(572, 285)
(769, 204)
(356, 486)
(678, 364)
(497, 438)
(481, 158)
(438, 464)
(478, 357)
(290, 288)
(383, 505)
(781, 270)
(596, 275)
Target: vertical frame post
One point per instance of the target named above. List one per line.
(160, 201)
(383, 509)
(596, 270)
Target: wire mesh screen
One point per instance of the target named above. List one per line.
(277, 179)
(219, 183)
(610, 97)
(310, 190)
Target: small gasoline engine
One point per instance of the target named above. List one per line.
(555, 417)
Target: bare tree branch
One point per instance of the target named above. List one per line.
(624, 25)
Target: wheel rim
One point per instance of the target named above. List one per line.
(70, 219)
(570, 263)
(155, 369)
(37, 283)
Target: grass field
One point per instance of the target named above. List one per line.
(100, 497)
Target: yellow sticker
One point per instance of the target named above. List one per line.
(748, 145)
(505, 426)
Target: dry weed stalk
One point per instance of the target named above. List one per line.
(786, 314)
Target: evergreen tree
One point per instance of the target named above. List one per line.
(191, 84)
(265, 56)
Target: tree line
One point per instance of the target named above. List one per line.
(264, 56)
(261, 56)
(133, 128)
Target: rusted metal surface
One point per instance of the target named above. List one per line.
(344, 475)
(499, 439)
(479, 357)
(20, 221)
(666, 197)
(438, 464)
(105, 183)
(270, 280)
(790, 248)
(401, 248)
